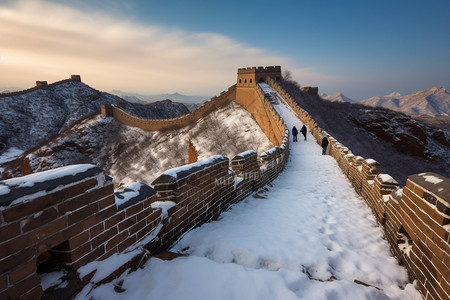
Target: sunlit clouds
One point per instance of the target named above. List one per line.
(47, 41)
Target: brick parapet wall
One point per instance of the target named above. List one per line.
(420, 211)
(72, 218)
(163, 124)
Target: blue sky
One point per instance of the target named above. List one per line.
(362, 48)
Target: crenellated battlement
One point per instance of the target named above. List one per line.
(251, 76)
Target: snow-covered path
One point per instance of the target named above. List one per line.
(306, 236)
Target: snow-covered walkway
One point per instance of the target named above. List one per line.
(306, 236)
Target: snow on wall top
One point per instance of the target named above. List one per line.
(14, 188)
(434, 183)
(133, 194)
(245, 154)
(178, 173)
(386, 179)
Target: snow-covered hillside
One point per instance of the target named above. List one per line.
(30, 119)
(130, 154)
(432, 102)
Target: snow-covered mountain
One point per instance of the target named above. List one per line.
(337, 97)
(30, 118)
(431, 102)
(130, 154)
(139, 98)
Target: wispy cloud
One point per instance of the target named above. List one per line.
(46, 41)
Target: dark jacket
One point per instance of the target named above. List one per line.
(324, 142)
(303, 130)
(294, 131)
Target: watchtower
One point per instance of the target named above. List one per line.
(249, 77)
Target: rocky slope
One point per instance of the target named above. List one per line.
(130, 154)
(31, 118)
(401, 144)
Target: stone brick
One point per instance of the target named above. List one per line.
(96, 230)
(48, 230)
(3, 282)
(134, 209)
(73, 242)
(136, 227)
(430, 267)
(91, 256)
(100, 216)
(107, 201)
(12, 246)
(21, 210)
(116, 240)
(39, 219)
(16, 259)
(435, 249)
(126, 243)
(18, 290)
(33, 294)
(9, 231)
(82, 213)
(445, 284)
(103, 237)
(127, 223)
(144, 232)
(72, 255)
(431, 290)
(59, 238)
(73, 204)
(115, 219)
(441, 268)
(22, 272)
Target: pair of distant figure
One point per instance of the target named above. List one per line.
(303, 130)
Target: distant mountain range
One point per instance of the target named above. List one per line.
(143, 99)
(337, 97)
(434, 102)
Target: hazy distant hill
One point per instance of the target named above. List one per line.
(138, 98)
(337, 97)
(431, 102)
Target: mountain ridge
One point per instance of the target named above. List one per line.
(177, 97)
(432, 102)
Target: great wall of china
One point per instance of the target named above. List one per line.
(70, 215)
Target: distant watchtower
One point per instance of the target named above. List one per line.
(249, 77)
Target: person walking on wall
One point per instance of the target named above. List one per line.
(294, 133)
(304, 131)
(324, 145)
